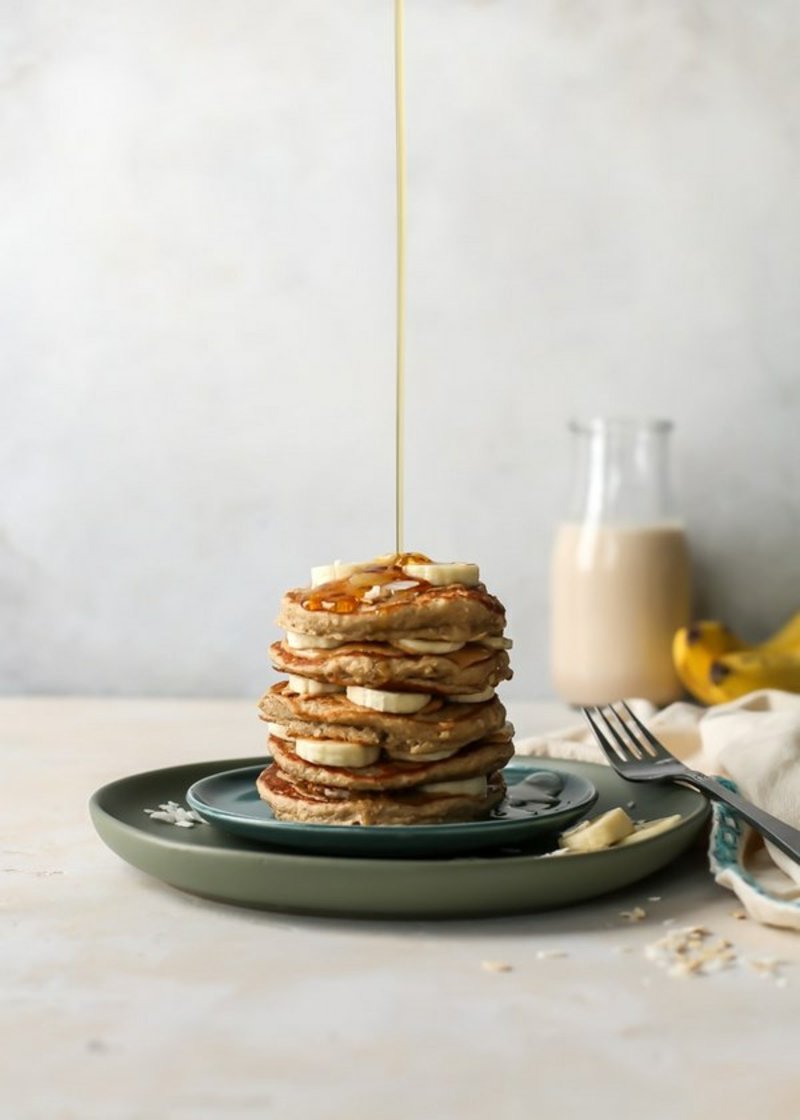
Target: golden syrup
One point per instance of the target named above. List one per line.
(343, 596)
(400, 167)
(400, 559)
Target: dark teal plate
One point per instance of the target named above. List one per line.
(230, 801)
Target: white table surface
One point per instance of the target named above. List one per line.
(123, 998)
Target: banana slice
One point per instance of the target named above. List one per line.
(443, 575)
(645, 829)
(279, 731)
(431, 756)
(327, 573)
(426, 645)
(496, 643)
(471, 787)
(306, 687)
(474, 697)
(310, 641)
(336, 752)
(602, 832)
(395, 703)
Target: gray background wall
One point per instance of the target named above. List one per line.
(196, 307)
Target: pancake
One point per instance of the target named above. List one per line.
(454, 614)
(293, 800)
(379, 665)
(440, 724)
(384, 631)
(483, 757)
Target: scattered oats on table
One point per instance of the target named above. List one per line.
(764, 966)
(635, 915)
(688, 952)
(496, 966)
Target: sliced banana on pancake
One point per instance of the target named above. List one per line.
(327, 573)
(335, 752)
(393, 703)
(443, 575)
(426, 645)
(304, 686)
(294, 640)
(474, 697)
(428, 756)
(496, 643)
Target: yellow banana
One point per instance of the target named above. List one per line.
(785, 640)
(715, 665)
(694, 650)
(735, 674)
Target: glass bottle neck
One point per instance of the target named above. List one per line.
(621, 472)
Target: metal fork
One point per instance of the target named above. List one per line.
(638, 756)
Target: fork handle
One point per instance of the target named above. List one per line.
(778, 832)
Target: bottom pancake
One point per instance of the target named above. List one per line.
(293, 800)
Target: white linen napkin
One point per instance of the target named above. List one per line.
(754, 741)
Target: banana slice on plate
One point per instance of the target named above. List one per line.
(645, 829)
(443, 575)
(380, 700)
(594, 835)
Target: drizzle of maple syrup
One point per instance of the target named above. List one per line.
(343, 596)
(400, 167)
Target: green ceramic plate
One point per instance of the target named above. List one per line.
(208, 862)
(230, 801)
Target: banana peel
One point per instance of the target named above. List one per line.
(736, 674)
(715, 665)
(694, 650)
(785, 640)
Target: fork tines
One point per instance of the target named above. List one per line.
(631, 739)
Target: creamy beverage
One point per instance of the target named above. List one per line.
(619, 592)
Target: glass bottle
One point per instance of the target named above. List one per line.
(620, 579)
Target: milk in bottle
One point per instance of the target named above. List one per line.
(620, 581)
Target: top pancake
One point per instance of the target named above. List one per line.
(454, 613)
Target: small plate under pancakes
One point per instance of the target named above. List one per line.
(230, 801)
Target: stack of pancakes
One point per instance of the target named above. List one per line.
(389, 714)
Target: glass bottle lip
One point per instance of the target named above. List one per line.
(598, 424)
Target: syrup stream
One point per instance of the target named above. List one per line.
(400, 159)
